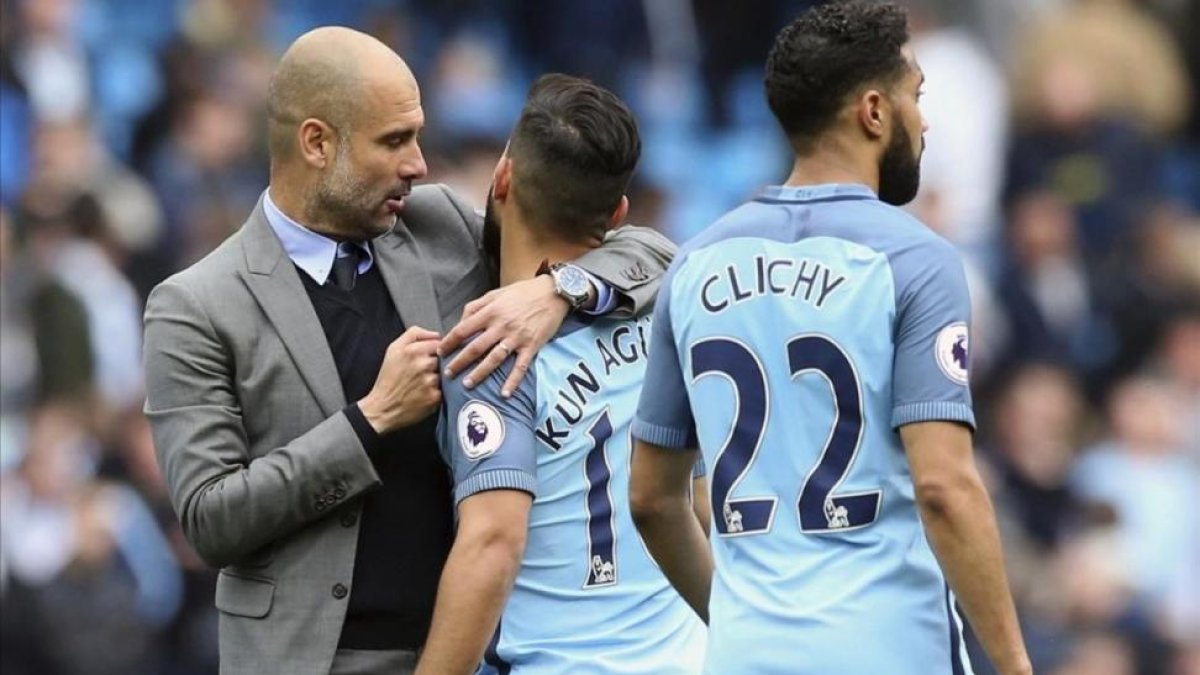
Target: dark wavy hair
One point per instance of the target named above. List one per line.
(825, 55)
(574, 150)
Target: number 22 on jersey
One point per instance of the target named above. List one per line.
(821, 508)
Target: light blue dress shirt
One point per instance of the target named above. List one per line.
(314, 253)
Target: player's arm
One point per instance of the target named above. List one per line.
(701, 503)
(660, 498)
(961, 527)
(933, 413)
(477, 579)
(487, 440)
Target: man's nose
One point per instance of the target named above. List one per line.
(413, 167)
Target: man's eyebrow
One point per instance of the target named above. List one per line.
(399, 134)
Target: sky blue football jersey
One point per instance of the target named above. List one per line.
(588, 597)
(791, 340)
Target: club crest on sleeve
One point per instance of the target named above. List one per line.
(480, 430)
(952, 351)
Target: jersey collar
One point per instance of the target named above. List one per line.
(828, 192)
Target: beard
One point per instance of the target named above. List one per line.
(344, 200)
(899, 169)
(491, 231)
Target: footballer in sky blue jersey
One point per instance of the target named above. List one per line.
(547, 570)
(813, 343)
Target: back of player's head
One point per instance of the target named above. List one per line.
(573, 151)
(827, 54)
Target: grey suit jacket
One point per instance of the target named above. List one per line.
(245, 404)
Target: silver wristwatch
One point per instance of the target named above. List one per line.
(570, 283)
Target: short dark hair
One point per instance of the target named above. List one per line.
(573, 150)
(826, 54)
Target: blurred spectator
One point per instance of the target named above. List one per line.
(1037, 425)
(1105, 168)
(76, 250)
(467, 165)
(1128, 57)
(204, 177)
(45, 352)
(1178, 362)
(1100, 654)
(1143, 473)
(50, 60)
(88, 567)
(1047, 292)
(965, 105)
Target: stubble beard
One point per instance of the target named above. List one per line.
(343, 201)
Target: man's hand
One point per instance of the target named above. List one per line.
(407, 388)
(516, 319)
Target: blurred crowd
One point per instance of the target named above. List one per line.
(1063, 159)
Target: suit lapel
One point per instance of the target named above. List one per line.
(407, 279)
(276, 286)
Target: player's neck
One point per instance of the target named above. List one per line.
(522, 252)
(830, 166)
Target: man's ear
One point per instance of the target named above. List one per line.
(618, 216)
(502, 178)
(318, 142)
(874, 110)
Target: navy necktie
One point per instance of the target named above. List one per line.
(345, 265)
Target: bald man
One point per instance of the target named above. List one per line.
(292, 373)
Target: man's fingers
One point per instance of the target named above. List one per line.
(480, 346)
(477, 304)
(416, 334)
(495, 356)
(425, 348)
(467, 326)
(524, 360)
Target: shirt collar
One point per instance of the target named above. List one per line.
(816, 193)
(314, 253)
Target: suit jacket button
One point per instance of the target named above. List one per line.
(349, 519)
(320, 505)
(340, 591)
(339, 493)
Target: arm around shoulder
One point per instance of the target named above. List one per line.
(632, 261)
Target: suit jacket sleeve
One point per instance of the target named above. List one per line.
(229, 504)
(632, 260)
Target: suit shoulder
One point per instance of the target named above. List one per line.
(211, 275)
(435, 205)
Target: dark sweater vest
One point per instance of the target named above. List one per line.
(406, 527)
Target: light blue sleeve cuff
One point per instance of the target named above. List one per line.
(933, 411)
(497, 479)
(667, 437)
(606, 299)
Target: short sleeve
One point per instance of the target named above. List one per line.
(487, 440)
(664, 415)
(932, 363)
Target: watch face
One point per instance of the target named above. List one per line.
(572, 280)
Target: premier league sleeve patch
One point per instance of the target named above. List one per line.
(480, 430)
(952, 352)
